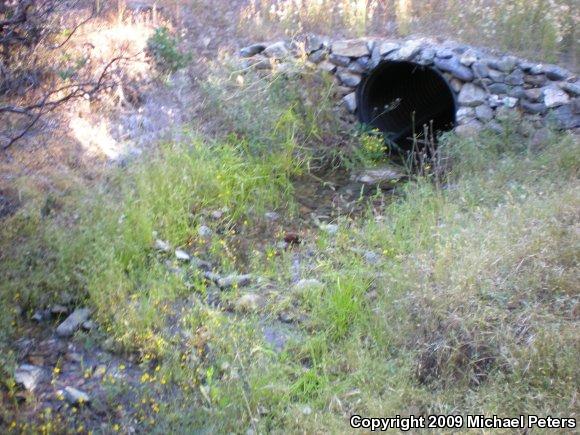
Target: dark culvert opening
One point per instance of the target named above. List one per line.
(399, 98)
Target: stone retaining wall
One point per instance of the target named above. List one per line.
(486, 85)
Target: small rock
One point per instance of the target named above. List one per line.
(510, 102)
(480, 69)
(162, 245)
(74, 396)
(318, 56)
(349, 79)
(272, 216)
(387, 47)
(554, 97)
(58, 310)
(566, 118)
(554, 72)
(304, 284)
(453, 67)
(313, 43)
(327, 66)
(468, 58)
(234, 281)
(444, 53)
(496, 76)
(278, 50)
(516, 78)
(506, 64)
(217, 214)
(28, 376)
(331, 229)
(350, 48)
(534, 94)
(182, 255)
(88, 325)
(465, 114)
(409, 50)
(350, 102)
(252, 50)
(250, 302)
(306, 410)
(534, 108)
(571, 88)
(371, 257)
(456, 85)
(384, 176)
(469, 129)
(100, 371)
(38, 316)
(484, 113)
(73, 322)
(535, 80)
(471, 95)
(498, 88)
(517, 92)
(204, 232)
(339, 60)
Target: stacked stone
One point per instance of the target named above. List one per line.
(486, 86)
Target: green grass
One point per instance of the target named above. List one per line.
(471, 308)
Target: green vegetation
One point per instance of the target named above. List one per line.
(165, 51)
(470, 307)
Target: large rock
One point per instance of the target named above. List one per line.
(471, 95)
(454, 67)
(350, 48)
(516, 78)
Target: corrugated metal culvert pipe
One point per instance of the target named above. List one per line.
(399, 97)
